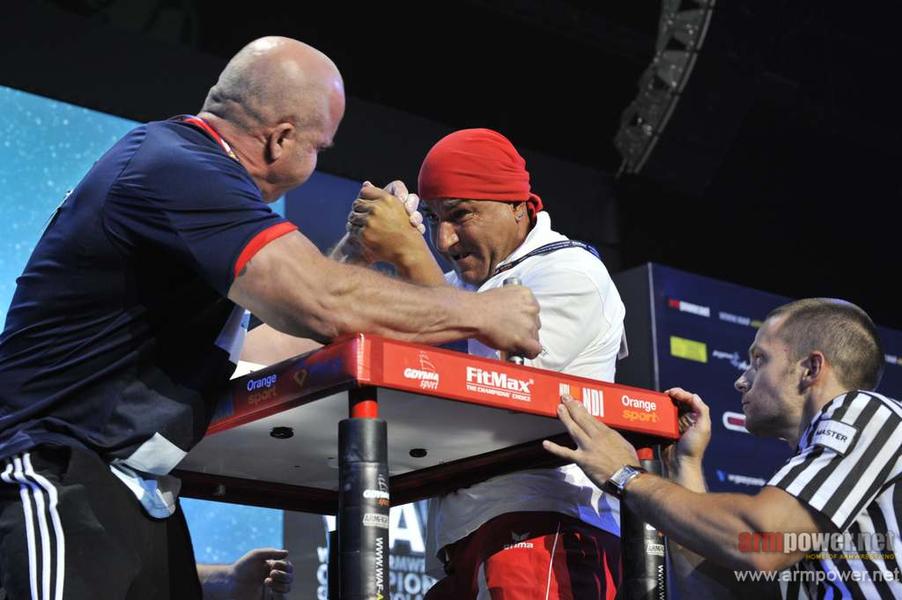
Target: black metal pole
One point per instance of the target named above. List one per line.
(363, 505)
(642, 550)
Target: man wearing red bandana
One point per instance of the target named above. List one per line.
(131, 313)
(540, 533)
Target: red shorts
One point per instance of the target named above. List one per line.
(532, 556)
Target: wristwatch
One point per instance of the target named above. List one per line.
(621, 477)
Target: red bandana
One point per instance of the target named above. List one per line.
(476, 164)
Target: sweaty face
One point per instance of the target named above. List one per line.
(770, 390)
(475, 235)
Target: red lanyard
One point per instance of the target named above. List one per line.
(198, 122)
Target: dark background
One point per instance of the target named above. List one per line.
(778, 169)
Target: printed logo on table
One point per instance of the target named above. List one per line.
(494, 383)
(592, 398)
(300, 377)
(639, 410)
(262, 389)
(426, 374)
(263, 382)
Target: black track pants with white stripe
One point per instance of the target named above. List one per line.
(70, 530)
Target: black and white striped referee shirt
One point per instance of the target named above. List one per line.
(848, 468)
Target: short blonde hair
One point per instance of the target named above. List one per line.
(843, 332)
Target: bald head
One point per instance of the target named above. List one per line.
(276, 79)
(278, 103)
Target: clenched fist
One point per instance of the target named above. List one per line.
(511, 320)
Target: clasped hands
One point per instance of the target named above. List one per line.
(384, 224)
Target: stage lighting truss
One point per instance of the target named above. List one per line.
(681, 32)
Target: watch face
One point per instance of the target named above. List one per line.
(624, 474)
(614, 485)
(620, 478)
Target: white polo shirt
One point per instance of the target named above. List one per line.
(582, 326)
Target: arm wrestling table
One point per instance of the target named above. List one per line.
(455, 420)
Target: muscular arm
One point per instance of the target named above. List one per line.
(413, 260)
(710, 524)
(418, 265)
(694, 574)
(297, 290)
(266, 345)
(682, 462)
(706, 524)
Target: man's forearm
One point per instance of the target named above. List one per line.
(688, 474)
(409, 254)
(704, 524)
(291, 286)
(420, 267)
(345, 251)
(358, 299)
(297, 290)
(692, 571)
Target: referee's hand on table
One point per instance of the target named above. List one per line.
(600, 451)
(695, 433)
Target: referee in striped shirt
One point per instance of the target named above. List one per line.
(813, 365)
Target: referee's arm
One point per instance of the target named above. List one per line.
(710, 525)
